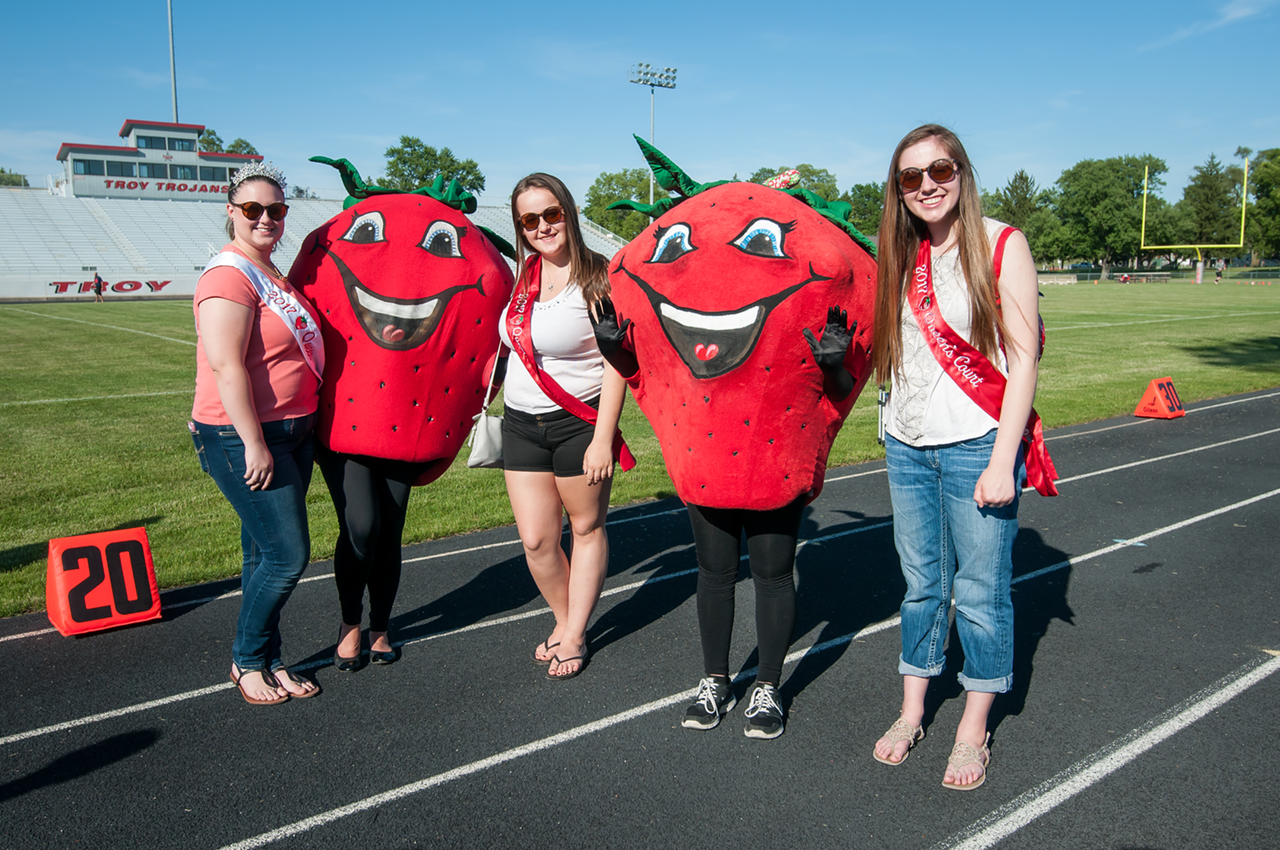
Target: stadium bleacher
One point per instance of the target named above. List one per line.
(46, 238)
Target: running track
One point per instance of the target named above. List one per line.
(1142, 716)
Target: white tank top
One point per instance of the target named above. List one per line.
(564, 347)
(926, 407)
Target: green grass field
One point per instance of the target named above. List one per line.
(96, 398)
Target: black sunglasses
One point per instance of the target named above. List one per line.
(253, 210)
(939, 171)
(551, 215)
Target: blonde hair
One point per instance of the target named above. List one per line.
(586, 268)
(900, 236)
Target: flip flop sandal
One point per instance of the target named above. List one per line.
(543, 662)
(963, 755)
(556, 659)
(299, 681)
(267, 679)
(901, 731)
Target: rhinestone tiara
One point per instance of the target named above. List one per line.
(258, 169)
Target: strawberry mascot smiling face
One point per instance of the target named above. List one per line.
(410, 293)
(719, 290)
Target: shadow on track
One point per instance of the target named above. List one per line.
(81, 762)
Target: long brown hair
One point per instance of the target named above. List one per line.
(586, 268)
(900, 236)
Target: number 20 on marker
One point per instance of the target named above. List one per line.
(100, 581)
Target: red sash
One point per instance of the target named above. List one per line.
(981, 381)
(520, 331)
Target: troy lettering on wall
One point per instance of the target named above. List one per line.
(64, 287)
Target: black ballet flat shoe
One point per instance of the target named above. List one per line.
(382, 659)
(348, 665)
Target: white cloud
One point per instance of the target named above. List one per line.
(1233, 12)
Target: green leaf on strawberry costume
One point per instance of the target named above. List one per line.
(452, 195)
(673, 178)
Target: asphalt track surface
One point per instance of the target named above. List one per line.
(1142, 715)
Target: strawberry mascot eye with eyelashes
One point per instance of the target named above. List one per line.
(410, 293)
(741, 319)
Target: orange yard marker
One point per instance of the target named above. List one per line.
(1160, 401)
(100, 581)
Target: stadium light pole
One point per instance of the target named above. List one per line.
(645, 74)
(173, 74)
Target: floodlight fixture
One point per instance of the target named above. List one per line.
(642, 73)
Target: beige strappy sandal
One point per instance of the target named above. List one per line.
(900, 731)
(963, 755)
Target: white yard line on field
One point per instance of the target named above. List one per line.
(98, 325)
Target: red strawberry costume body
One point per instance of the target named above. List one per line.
(718, 293)
(410, 295)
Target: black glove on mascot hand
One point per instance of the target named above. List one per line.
(611, 337)
(829, 353)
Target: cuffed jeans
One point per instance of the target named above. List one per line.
(273, 527)
(947, 544)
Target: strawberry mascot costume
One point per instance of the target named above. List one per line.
(712, 322)
(410, 294)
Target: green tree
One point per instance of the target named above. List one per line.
(12, 178)
(411, 164)
(1018, 200)
(1265, 179)
(610, 186)
(867, 200)
(1100, 204)
(302, 193)
(1209, 204)
(817, 180)
(241, 146)
(210, 141)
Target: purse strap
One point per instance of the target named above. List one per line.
(488, 391)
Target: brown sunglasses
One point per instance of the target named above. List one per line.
(551, 215)
(939, 171)
(253, 210)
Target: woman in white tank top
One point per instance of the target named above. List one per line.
(556, 461)
(955, 469)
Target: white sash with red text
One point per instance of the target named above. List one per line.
(295, 315)
(981, 381)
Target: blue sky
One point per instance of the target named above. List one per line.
(542, 86)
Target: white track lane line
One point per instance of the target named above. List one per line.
(234, 593)
(1190, 410)
(1087, 772)
(1084, 475)
(604, 723)
(100, 325)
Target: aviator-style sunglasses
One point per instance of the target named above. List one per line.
(551, 215)
(253, 210)
(939, 171)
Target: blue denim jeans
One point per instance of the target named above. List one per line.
(947, 544)
(273, 527)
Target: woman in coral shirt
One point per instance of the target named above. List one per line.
(258, 359)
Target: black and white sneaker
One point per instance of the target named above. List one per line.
(764, 714)
(715, 699)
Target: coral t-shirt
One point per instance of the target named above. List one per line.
(283, 385)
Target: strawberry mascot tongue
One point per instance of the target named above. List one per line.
(730, 320)
(410, 294)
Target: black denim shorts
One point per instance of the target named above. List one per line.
(546, 442)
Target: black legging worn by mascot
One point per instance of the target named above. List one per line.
(410, 293)
(710, 323)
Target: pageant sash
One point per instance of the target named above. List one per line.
(973, 372)
(520, 331)
(295, 315)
